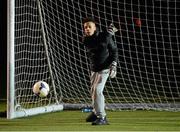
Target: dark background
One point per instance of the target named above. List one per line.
(3, 47)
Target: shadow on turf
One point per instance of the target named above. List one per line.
(3, 113)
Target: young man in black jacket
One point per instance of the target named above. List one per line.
(103, 55)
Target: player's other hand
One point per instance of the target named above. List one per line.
(113, 70)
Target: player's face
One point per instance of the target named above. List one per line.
(89, 28)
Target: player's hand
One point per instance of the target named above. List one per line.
(112, 29)
(113, 70)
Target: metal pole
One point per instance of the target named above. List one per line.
(10, 58)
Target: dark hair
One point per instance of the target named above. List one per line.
(88, 19)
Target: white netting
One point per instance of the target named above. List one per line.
(147, 40)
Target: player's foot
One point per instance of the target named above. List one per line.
(112, 29)
(92, 117)
(100, 121)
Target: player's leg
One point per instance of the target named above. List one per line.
(94, 79)
(98, 82)
(99, 101)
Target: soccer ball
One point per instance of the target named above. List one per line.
(41, 89)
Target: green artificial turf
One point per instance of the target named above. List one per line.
(67, 120)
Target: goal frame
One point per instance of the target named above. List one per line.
(15, 111)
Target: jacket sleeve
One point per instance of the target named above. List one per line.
(113, 51)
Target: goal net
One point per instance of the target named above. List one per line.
(47, 45)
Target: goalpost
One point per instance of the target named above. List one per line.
(45, 43)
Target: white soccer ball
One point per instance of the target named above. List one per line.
(41, 89)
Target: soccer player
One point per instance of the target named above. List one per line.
(103, 55)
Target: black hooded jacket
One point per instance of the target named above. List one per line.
(102, 50)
